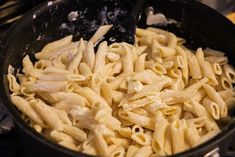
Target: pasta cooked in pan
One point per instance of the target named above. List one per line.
(153, 98)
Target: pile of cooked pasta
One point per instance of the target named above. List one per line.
(153, 98)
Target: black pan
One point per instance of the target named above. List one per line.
(197, 23)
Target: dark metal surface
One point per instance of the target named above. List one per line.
(223, 6)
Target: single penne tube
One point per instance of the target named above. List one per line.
(211, 107)
(62, 77)
(194, 67)
(225, 82)
(159, 134)
(101, 144)
(143, 121)
(27, 63)
(60, 136)
(137, 104)
(25, 107)
(125, 132)
(229, 73)
(13, 84)
(106, 91)
(216, 68)
(212, 52)
(215, 96)
(185, 71)
(70, 98)
(54, 45)
(199, 84)
(72, 67)
(102, 30)
(206, 67)
(68, 49)
(100, 58)
(168, 142)
(75, 132)
(178, 137)
(172, 40)
(127, 61)
(141, 138)
(140, 62)
(152, 88)
(46, 86)
(89, 54)
(47, 114)
(173, 97)
(52, 69)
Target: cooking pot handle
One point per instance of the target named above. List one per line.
(213, 153)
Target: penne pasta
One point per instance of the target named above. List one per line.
(153, 98)
(89, 55)
(100, 58)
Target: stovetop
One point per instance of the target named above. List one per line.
(10, 12)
